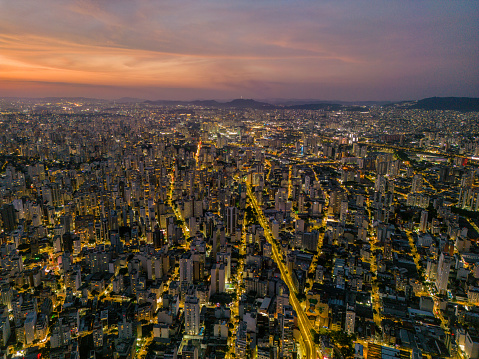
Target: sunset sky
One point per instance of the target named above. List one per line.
(205, 49)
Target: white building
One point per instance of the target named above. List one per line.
(443, 269)
(30, 322)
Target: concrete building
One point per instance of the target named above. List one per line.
(192, 315)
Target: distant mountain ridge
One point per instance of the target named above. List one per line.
(461, 104)
(237, 103)
(258, 105)
(315, 106)
(291, 104)
(294, 102)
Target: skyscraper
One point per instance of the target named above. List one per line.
(218, 278)
(423, 223)
(231, 220)
(443, 269)
(343, 211)
(186, 270)
(9, 217)
(158, 238)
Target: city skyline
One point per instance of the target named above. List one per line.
(330, 50)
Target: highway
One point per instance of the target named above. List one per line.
(303, 322)
(290, 182)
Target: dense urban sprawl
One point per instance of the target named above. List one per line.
(144, 231)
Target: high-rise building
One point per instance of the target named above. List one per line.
(358, 351)
(417, 181)
(125, 329)
(225, 258)
(350, 319)
(9, 218)
(189, 351)
(343, 211)
(231, 220)
(186, 270)
(287, 327)
(192, 315)
(60, 335)
(393, 168)
(158, 238)
(380, 184)
(30, 322)
(388, 254)
(423, 223)
(97, 334)
(241, 342)
(275, 229)
(218, 278)
(281, 302)
(443, 269)
(335, 199)
(310, 240)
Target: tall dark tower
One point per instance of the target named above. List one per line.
(9, 217)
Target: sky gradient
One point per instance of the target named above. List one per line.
(204, 49)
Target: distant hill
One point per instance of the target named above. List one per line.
(166, 103)
(238, 103)
(129, 100)
(205, 103)
(315, 106)
(462, 104)
(295, 102)
(249, 103)
(71, 99)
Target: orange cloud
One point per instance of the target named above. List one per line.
(270, 48)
